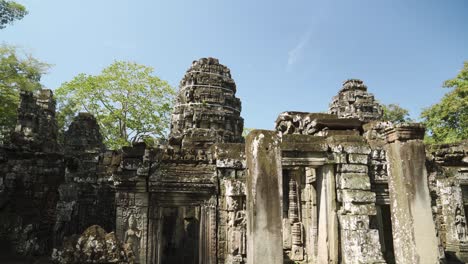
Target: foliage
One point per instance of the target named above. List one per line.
(447, 121)
(18, 71)
(129, 103)
(10, 11)
(246, 131)
(395, 113)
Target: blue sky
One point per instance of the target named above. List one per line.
(283, 55)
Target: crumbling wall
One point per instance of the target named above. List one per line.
(189, 194)
(87, 193)
(232, 229)
(353, 101)
(31, 168)
(360, 242)
(447, 166)
(94, 245)
(36, 128)
(132, 198)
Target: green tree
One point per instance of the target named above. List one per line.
(10, 11)
(395, 113)
(18, 71)
(447, 121)
(129, 103)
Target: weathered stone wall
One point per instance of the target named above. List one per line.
(353, 101)
(360, 242)
(86, 197)
(332, 160)
(31, 168)
(232, 218)
(341, 187)
(132, 199)
(36, 128)
(448, 176)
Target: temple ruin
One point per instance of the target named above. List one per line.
(336, 187)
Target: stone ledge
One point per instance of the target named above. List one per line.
(404, 132)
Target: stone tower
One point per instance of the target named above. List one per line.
(206, 109)
(353, 101)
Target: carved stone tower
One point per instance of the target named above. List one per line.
(353, 101)
(206, 110)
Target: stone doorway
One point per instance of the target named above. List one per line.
(383, 222)
(179, 237)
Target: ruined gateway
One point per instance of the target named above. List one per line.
(341, 187)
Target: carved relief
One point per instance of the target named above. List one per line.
(378, 165)
(460, 224)
(237, 228)
(297, 250)
(133, 232)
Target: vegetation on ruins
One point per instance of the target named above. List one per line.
(10, 11)
(395, 113)
(18, 71)
(246, 131)
(129, 102)
(447, 121)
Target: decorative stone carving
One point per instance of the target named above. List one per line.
(294, 240)
(239, 233)
(460, 224)
(133, 236)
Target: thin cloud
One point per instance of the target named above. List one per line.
(295, 54)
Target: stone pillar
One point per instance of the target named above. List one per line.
(132, 199)
(264, 198)
(327, 222)
(410, 203)
(310, 195)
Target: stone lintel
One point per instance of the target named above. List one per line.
(338, 124)
(303, 143)
(404, 132)
(313, 162)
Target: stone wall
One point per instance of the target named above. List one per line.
(341, 187)
(86, 196)
(448, 175)
(31, 169)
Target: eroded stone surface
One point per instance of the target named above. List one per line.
(94, 245)
(342, 187)
(353, 101)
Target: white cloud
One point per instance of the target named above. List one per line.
(295, 54)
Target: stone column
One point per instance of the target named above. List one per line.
(264, 198)
(327, 222)
(410, 203)
(310, 227)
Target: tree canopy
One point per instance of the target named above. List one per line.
(18, 71)
(447, 121)
(10, 11)
(395, 113)
(128, 101)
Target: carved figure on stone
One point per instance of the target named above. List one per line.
(201, 155)
(460, 224)
(240, 221)
(133, 235)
